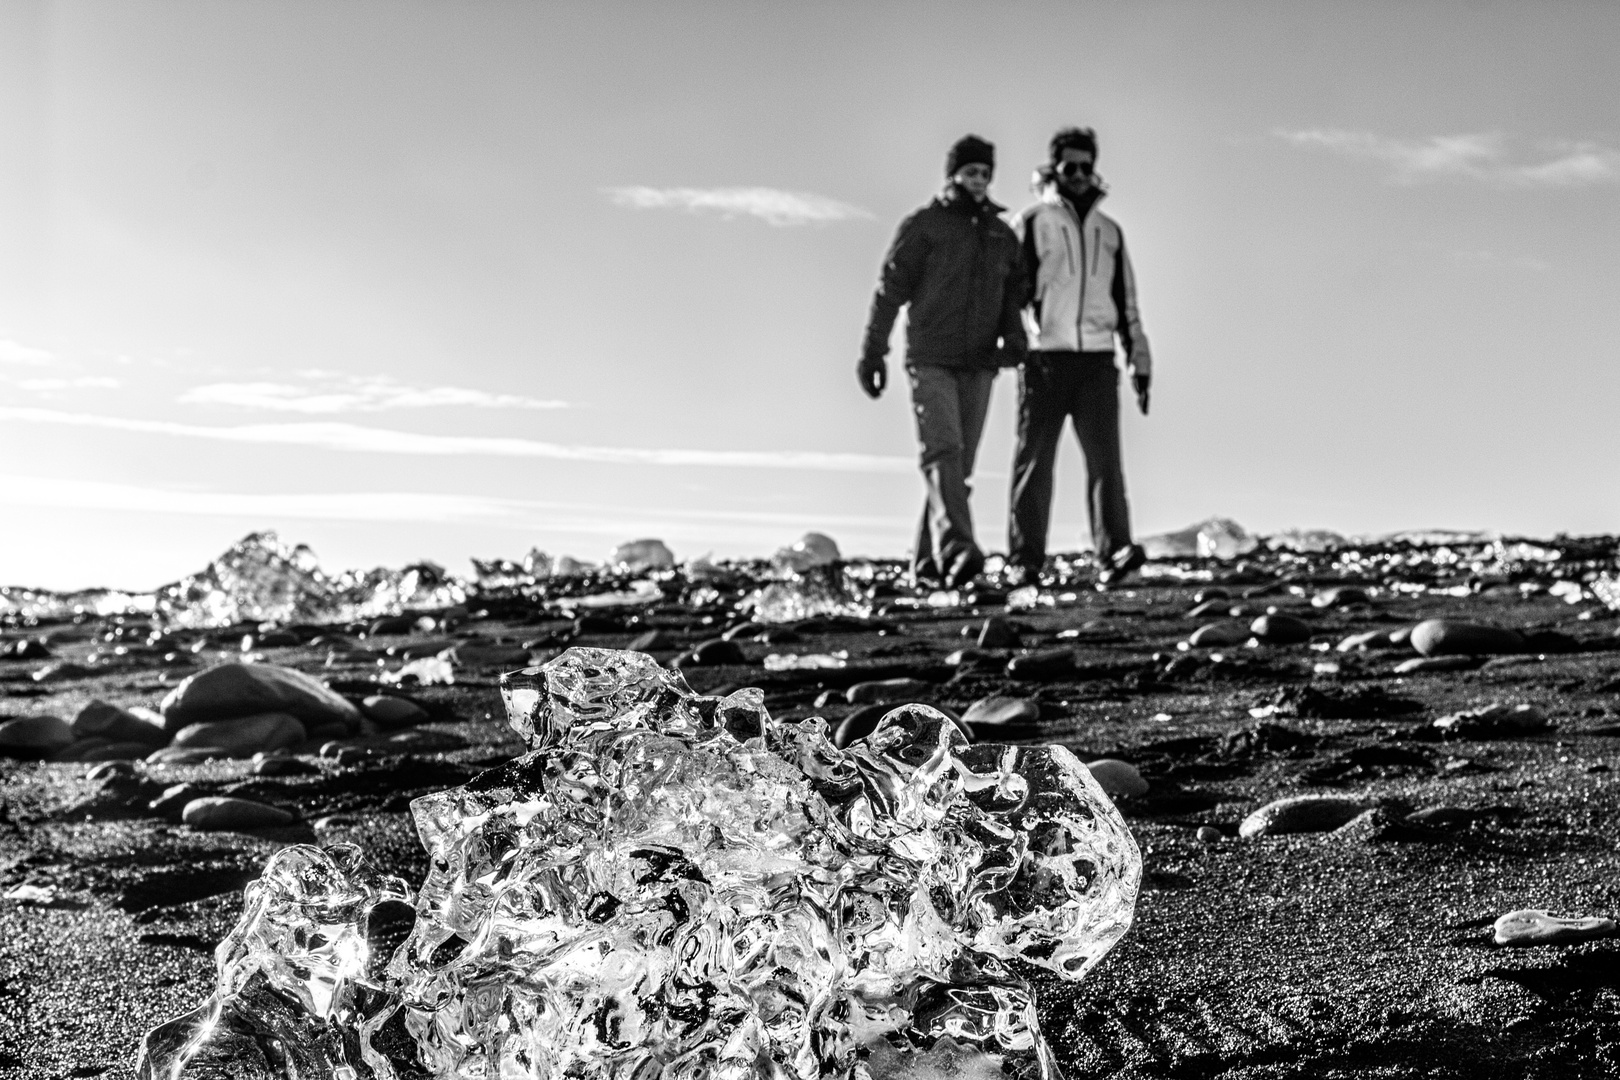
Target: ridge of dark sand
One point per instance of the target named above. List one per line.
(1311, 955)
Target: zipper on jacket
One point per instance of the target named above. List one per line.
(1096, 249)
(1080, 315)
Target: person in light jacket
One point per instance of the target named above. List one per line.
(1082, 302)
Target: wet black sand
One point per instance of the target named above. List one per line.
(1364, 953)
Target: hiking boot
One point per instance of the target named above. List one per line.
(1122, 564)
(964, 568)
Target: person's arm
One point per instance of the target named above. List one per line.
(1015, 296)
(1132, 338)
(902, 270)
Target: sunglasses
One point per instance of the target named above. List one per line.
(975, 170)
(1071, 169)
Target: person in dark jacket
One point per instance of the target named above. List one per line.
(1082, 299)
(958, 267)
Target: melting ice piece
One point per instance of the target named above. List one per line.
(811, 550)
(673, 886)
(642, 555)
(817, 591)
(1606, 588)
(1216, 537)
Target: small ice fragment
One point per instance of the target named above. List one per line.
(639, 593)
(811, 550)
(819, 591)
(1532, 926)
(1216, 537)
(806, 661)
(1606, 587)
(639, 555)
(1023, 598)
(568, 566)
(1570, 592)
(44, 895)
(425, 671)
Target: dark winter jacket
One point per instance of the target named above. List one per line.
(959, 267)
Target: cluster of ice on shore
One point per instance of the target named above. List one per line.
(677, 886)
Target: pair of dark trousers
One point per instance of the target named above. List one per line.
(950, 404)
(1082, 387)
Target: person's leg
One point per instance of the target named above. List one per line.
(1041, 409)
(1095, 405)
(936, 403)
(973, 386)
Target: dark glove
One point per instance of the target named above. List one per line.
(873, 374)
(1141, 383)
(1011, 355)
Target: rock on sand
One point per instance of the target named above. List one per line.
(1450, 637)
(230, 691)
(1302, 813)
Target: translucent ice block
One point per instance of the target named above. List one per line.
(667, 885)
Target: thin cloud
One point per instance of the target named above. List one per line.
(79, 382)
(779, 208)
(352, 437)
(342, 394)
(1485, 157)
(432, 508)
(12, 352)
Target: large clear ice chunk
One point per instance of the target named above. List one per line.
(673, 886)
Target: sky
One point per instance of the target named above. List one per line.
(406, 281)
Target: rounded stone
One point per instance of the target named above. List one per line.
(1367, 639)
(99, 749)
(1451, 637)
(1047, 664)
(109, 769)
(651, 641)
(879, 691)
(716, 652)
(1340, 596)
(185, 755)
(858, 724)
(173, 799)
(110, 722)
(223, 812)
(391, 711)
(235, 690)
(1220, 633)
(1533, 926)
(489, 654)
(34, 736)
(999, 711)
(245, 736)
(1209, 607)
(1276, 629)
(1209, 834)
(1301, 814)
(1118, 778)
(1436, 663)
(998, 633)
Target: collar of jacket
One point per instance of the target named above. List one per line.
(1052, 195)
(964, 204)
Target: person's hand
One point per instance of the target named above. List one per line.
(1141, 384)
(1011, 356)
(873, 374)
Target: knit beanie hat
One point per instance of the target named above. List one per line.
(969, 150)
